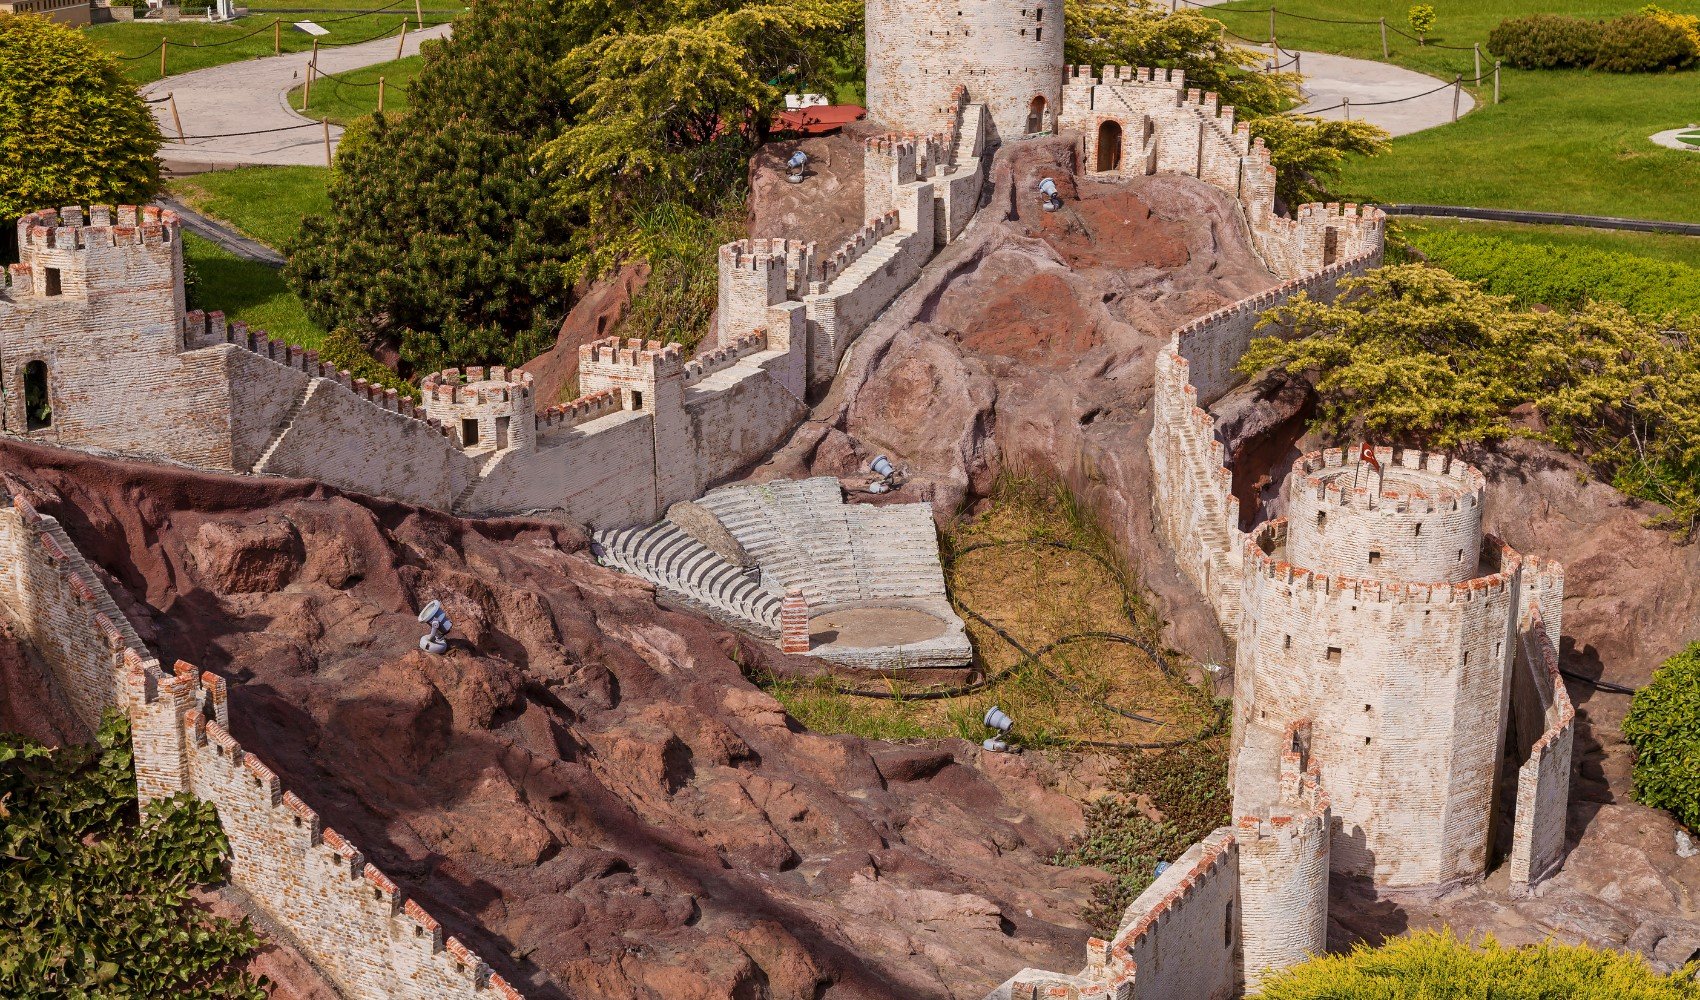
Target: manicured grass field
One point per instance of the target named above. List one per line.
(347, 96)
(197, 45)
(248, 291)
(1646, 246)
(1560, 141)
(266, 203)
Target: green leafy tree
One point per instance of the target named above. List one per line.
(1307, 152)
(72, 129)
(443, 239)
(94, 903)
(1414, 355)
(1142, 33)
(1663, 725)
(1435, 965)
(1421, 18)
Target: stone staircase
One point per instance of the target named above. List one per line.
(691, 574)
(283, 427)
(797, 531)
(968, 136)
(864, 266)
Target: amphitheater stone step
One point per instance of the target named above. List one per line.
(692, 574)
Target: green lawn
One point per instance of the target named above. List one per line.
(347, 96)
(266, 203)
(1561, 140)
(1647, 246)
(248, 291)
(197, 45)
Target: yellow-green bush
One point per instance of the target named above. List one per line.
(1663, 726)
(1437, 966)
(72, 130)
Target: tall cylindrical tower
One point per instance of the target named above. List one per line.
(1007, 53)
(1376, 613)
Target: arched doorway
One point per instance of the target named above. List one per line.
(1109, 146)
(38, 403)
(1036, 115)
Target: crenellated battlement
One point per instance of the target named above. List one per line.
(828, 268)
(69, 229)
(301, 836)
(1262, 559)
(489, 410)
(1132, 76)
(584, 409)
(633, 356)
(721, 358)
(1409, 480)
(476, 387)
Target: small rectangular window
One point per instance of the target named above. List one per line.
(1419, 528)
(1333, 654)
(52, 287)
(1228, 924)
(1374, 558)
(1038, 34)
(637, 400)
(1460, 555)
(468, 432)
(1287, 642)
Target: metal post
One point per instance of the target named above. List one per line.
(164, 43)
(277, 37)
(380, 95)
(402, 40)
(1384, 38)
(1478, 79)
(1457, 92)
(1496, 81)
(327, 124)
(172, 100)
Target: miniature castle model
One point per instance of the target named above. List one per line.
(1395, 666)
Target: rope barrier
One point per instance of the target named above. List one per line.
(144, 55)
(264, 131)
(1035, 656)
(365, 13)
(238, 38)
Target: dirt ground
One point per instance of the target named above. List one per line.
(586, 789)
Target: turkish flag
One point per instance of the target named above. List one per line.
(1366, 455)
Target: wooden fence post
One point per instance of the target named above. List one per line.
(418, 14)
(175, 119)
(1496, 81)
(327, 124)
(1478, 63)
(164, 44)
(307, 89)
(1384, 38)
(380, 95)
(1272, 46)
(1346, 103)
(402, 40)
(277, 37)
(1457, 92)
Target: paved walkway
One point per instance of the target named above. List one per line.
(253, 97)
(221, 234)
(1329, 80)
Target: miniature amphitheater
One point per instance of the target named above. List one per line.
(1389, 654)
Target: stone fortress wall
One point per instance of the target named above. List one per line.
(343, 913)
(1009, 57)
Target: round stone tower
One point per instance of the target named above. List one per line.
(1376, 614)
(485, 412)
(1007, 53)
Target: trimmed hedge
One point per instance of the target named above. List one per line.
(1634, 43)
(1663, 726)
(1562, 276)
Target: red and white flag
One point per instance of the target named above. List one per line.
(1366, 455)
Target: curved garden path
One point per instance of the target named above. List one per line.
(253, 97)
(1332, 79)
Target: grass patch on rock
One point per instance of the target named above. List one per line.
(1038, 568)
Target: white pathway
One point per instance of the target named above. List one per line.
(1329, 80)
(253, 97)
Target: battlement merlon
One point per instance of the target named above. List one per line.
(755, 275)
(638, 370)
(69, 228)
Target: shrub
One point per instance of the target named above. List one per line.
(1640, 43)
(93, 902)
(72, 130)
(1308, 152)
(1663, 726)
(1634, 43)
(1421, 18)
(1545, 41)
(1417, 356)
(1562, 276)
(1435, 965)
